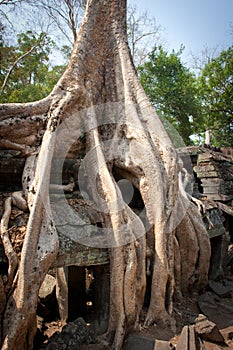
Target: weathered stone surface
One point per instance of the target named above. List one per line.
(71, 229)
(220, 289)
(216, 173)
(215, 222)
(207, 330)
(227, 333)
(216, 311)
(62, 292)
(216, 347)
(228, 284)
(183, 343)
(47, 286)
(72, 253)
(135, 342)
(163, 345)
(189, 340)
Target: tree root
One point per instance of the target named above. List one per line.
(2, 304)
(65, 188)
(200, 205)
(24, 149)
(21, 109)
(202, 210)
(226, 208)
(141, 148)
(9, 251)
(19, 201)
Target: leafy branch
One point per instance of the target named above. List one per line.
(19, 59)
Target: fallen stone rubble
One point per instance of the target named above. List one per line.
(72, 336)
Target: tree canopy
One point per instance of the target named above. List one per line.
(216, 91)
(25, 70)
(191, 104)
(143, 31)
(172, 89)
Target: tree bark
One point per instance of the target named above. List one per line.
(100, 93)
(9, 251)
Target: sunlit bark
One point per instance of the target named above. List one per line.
(101, 72)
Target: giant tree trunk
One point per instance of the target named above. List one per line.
(100, 96)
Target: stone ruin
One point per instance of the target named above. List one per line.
(213, 186)
(78, 284)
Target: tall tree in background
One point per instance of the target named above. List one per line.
(25, 72)
(204, 57)
(63, 18)
(65, 15)
(143, 32)
(60, 19)
(216, 91)
(171, 88)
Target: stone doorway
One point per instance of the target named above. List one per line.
(83, 291)
(76, 292)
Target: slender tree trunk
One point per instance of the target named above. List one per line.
(101, 94)
(207, 137)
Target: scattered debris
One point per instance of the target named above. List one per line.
(189, 340)
(71, 337)
(207, 330)
(213, 187)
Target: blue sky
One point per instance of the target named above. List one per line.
(194, 23)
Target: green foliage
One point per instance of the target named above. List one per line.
(66, 52)
(216, 93)
(192, 105)
(32, 77)
(172, 90)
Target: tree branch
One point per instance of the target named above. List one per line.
(8, 110)
(24, 149)
(72, 20)
(9, 2)
(143, 35)
(17, 61)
